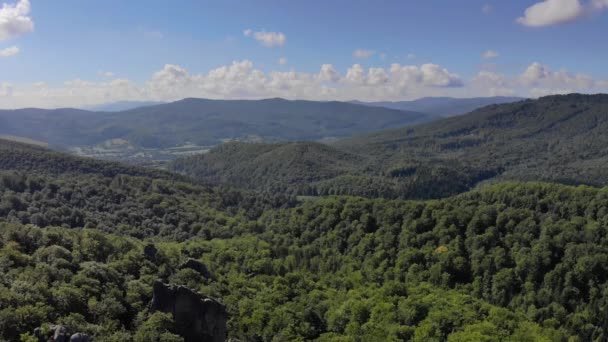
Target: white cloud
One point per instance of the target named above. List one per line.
(377, 76)
(411, 56)
(282, 61)
(362, 53)
(539, 75)
(10, 51)
(6, 90)
(490, 54)
(328, 73)
(430, 75)
(14, 20)
(488, 83)
(242, 80)
(553, 12)
(355, 74)
(269, 39)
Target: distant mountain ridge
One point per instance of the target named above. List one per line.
(444, 106)
(204, 122)
(121, 106)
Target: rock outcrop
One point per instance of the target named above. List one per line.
(197, 318)
(59, 333)
(197, 266)
(80, 337)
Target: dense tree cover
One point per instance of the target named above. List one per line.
(100, 284)
(555, 138)
(315, 169)
(134, 206)
(40, 160)
(521, 262)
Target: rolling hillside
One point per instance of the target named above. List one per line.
(82, 252)
(556, 138)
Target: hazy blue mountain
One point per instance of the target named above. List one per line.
(120, 106)
(444, 106)
(204, 122)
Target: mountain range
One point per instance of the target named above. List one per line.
(556, 138)
(444, 106)
(203, 122)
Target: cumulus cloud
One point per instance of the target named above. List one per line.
(10, 51)
(553, 12)
(362, 53)
(490, 54)
(328, 74)
(282, 60)
(14, 20)
(242, 80)
(541, 76)
(268, 39)
(489, 83)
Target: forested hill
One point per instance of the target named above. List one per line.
(518, 262)
(35, 159)
(444, 106)
(555, 138)
(203, 122)
(82, 249)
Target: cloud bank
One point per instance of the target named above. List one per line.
(242, 80)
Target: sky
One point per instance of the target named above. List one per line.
(74, 53)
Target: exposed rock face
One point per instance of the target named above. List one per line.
(80, 337)
(197, 318)
(198, 267)
(60, 333)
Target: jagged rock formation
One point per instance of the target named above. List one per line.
(198, 267)
(197, 318)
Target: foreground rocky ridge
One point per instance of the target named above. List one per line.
(197, 318)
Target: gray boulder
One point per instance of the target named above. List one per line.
(80, 337)
(61, 334)
(198, 318)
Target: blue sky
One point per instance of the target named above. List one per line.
(75, 52)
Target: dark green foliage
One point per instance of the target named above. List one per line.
(556, 138)
(509, 261)
(339, 268)
(31, 158)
